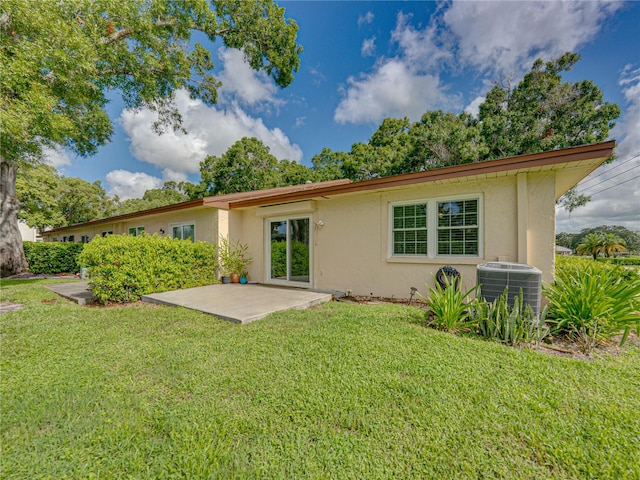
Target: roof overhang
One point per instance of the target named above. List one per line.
(572, 165)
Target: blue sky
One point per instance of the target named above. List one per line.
(366, 61)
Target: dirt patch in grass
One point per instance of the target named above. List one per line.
(565, 347)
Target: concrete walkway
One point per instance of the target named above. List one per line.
(75, 291)
(240, 303)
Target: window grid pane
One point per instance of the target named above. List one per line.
(410, 229)
(458, 228)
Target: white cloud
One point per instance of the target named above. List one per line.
(211, 132)
(473, 108)
(368, 48)
(422, 49)
(616, 196)
(56, 157)
(365, 19)
(491, 38)
(127, 184)
(392, 90)
(506, 37)
(406, 85)
(243, 83)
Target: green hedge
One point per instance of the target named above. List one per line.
(299, 259)
(621, 260)
(122, 268)
(52, 257)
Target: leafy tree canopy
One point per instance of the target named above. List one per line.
(629, 238)
(60, 60)
(248, 165)
(49, 199)
(169, 194)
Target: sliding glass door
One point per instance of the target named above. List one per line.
(289, 258)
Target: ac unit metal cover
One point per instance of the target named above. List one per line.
(494, 277)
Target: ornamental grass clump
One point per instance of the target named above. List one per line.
(516, 325)
(448, 308)
(592, 302)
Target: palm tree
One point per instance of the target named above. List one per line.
(593, 244)
(612, 244)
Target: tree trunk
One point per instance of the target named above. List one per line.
(12, 259)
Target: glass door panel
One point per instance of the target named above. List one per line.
(299, 250)
(278, 258)
(290, 250)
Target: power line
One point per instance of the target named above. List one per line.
(610, 178)
(626, 214)
(613, 186)
(609, 171)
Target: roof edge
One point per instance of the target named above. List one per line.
(572, 154)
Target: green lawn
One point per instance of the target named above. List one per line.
(340, 391)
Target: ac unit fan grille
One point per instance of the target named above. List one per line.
(495, 277)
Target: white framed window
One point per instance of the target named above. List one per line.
(107, 232)
(409, 227)
(84, 239)
(135, 231)
(183, 231)
(71, 239)
(439, 227)
(458, 227)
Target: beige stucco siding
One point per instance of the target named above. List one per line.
(205, 221)
(541, 233)
(351, 250)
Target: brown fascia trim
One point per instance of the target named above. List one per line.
(225, 201)
(221, 202)
(127, 216)
(574, 154)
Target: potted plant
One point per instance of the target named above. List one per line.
(244, 277)
(234, 258)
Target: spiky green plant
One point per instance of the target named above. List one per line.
(448, 308)
(515, 325)
(595, 299)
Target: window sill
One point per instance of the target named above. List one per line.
(437, 260)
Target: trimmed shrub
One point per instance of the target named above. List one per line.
(52, 257)
(633, 261)
(123, 268)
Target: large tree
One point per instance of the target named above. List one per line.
(170, 193)
(49, 199)
(544, 113)
(59, 61)
(246, 166)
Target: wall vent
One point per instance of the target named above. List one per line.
(494, 277)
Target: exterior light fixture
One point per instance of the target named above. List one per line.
(413, 292)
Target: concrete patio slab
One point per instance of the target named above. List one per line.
(78, 292)
(7, 307)
(240, 303)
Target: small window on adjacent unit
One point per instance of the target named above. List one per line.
(184, 231)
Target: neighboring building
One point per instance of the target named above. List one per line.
(382, 236)
(28, 233)
(564, 251)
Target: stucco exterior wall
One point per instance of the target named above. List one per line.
(351, 250)
(204, 219)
